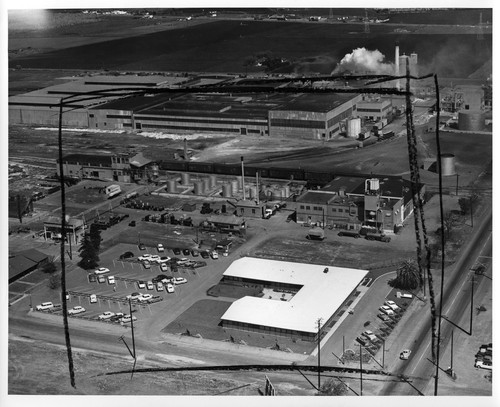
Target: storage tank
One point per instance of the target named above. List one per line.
(198, 188)
(234, 186)
(448, 164)
(227, 190)
(253, 192)
(213, 181)
(471, 120)
(185, 178)
(353, 127)
(206, 184)
(239, 181)
(172, 186)
(287, 191)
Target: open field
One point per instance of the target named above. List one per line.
(225, 46)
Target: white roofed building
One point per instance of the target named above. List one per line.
(319, 291)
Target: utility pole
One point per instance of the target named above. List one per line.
(471, 213)
(361, 368)
(319, 351)
(456, 193)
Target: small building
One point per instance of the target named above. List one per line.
(25, 262)
(250, 209)
(374, 108)
(74, 229)
(224, 223)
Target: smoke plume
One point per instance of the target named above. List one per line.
(362, 60)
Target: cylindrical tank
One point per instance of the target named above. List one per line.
(234, 185)
(287, 191)
(185, 178)
(253, 192)
(240, 181)
(198, 188)
(227, 190)
(172, 186)
(448, 164)
(353, 127)
(213, 181)
(206, 184)
(471, 120)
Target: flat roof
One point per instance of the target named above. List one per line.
(316, 197)
(310, 102)
(88, 159)
(321, 294)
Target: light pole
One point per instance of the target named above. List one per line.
(319, 350)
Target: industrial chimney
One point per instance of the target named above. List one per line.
(186, 157)
(396, 65)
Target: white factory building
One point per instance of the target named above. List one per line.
(319, 292)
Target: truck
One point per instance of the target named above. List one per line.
(316, 234)
(112, 190)
(268, 212)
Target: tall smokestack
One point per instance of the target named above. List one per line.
(243, 178)
(186, 157)
(396, 65)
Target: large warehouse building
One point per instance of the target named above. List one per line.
(320, 291)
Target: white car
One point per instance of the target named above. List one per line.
(141, 284)
(164, 259)
(111, 280)
(159, 286)
(150, 285)
(481, 364)
(370, 335)
(405, 354)
(154, 258)
(145, 256)
(127, 318)
(170, 288)
(44, 306)
(106, 315)
(163, 267)
(160, 247)
(179, 280)
(134, 296)
(386, 310)
(177, 232)
(214, 255)
(145, 297)
(183, 261)
(76, 310)
(392, 305)
(93, 298)
(101, 270)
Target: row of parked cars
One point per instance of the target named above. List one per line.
(484, 357)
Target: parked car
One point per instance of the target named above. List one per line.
(392, 305)
(101, 270)
(150, 285)
(141, 284)
(164, 259)
(132, 223)
(195, 253)
(154, 258)
(127, 255)
(214, 255)
(106, 315)
(198, 264)
(159, 286)
(93, 298)
(44, 306)
(384, 317)
(111, 280)
(348, 233)
(163, 267)
(176, 251)
(186, 252)
(159, 277)
(380, 238)
(146, 264)
(92, 278)
(183, 261)
(134, 296)
(370, 335)
(170, 288)
(205, 254)
(405, 354)
(141, 246)
(127, 318)
(117, 317)
(481, 364)
(360, 340)
(145, 297)
(78, 309)
(101, 279)
(160, 247)
(145, 256)
(179, 280)
(386, 310)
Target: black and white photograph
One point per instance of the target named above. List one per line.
(247, 200)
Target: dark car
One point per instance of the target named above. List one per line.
(195, 253)
(348, 233)
(92, 278)
(132, 223)
(141, 246)
(379, 237)
(205, 254)
(198, 264)
(127, 255)
(186, 252)
(176, 251)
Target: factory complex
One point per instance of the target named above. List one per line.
(308, 292)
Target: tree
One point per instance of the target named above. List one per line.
(407, 277)
(54, 281)
(95, 237)
(332, 388)
(49, 267)
(88, 253)
(449, 222)
(466, 203)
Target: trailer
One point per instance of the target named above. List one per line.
(112, 190)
